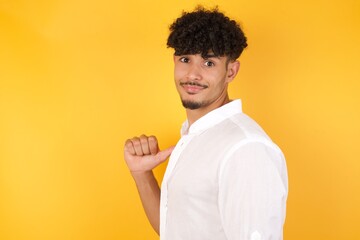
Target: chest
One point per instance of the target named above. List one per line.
(195, 176)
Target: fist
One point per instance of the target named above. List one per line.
(142, 153)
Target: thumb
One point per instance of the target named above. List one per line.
(164, 154)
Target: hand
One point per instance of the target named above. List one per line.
(142, 153)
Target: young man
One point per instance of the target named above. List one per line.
(225, 179)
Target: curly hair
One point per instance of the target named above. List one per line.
(203, 31)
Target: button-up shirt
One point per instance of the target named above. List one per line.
(225, 180)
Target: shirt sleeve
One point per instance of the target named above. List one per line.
(252, 192)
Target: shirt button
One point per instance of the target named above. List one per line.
(256, 236)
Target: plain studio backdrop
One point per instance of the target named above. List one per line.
(79, 77)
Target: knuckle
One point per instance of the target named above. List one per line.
(152, 138)
(128, 144)
(157, 158)
(135, 141)
(143, 140)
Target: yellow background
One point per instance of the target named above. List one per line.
(79, 77)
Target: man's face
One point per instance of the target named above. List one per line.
(202, 82)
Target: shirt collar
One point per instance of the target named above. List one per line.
(212, 118)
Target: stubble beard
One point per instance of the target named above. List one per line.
(192, 105)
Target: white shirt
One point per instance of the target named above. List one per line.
(225, 180)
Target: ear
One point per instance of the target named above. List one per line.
(232, 70)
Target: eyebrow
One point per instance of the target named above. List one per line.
(207, 56)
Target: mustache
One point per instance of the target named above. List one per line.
(191, 83)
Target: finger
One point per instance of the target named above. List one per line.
(153, 145)
(144, 144)
(129, 147)
(137, 146)
(163, 155)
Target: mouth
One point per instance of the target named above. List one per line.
(193, 87)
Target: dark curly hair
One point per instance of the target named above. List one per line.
(203, 31)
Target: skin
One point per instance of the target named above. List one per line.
(203, 81)
(199, 81)
(142, 154)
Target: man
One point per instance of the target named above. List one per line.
(225, 179)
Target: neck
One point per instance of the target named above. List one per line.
(195, 114)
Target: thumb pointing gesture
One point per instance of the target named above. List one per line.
(142, 153)
(161, 156)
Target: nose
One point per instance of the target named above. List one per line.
(194, 72)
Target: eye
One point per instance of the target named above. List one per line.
(184, 59)
(209, 64)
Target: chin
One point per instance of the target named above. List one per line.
(191, 104)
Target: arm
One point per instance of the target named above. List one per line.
(142, 154)
(253, 192)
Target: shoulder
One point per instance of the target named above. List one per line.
(239, 129)
(249, 144)
(249, 126)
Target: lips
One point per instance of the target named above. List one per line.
(193, 87)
